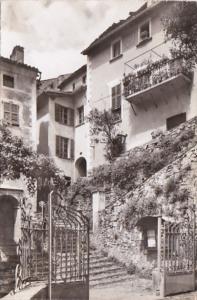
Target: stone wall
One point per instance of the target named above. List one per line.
(172, 188)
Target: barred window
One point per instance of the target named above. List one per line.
(64, 115)
(8, 81)
(11, 113)
(116, 101)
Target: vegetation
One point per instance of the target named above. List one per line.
(18, 159)
(181, 28)
(104, 128)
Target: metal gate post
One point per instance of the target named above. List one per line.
(50, 246)
(159, 252)
(194, 244)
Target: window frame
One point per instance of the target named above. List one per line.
(112, 49)
(79, 109)
(64, 147)
(140, 40)
(62, 111)
(11, 112)
(10, 76)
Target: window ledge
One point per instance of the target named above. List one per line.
(78, 125)
(61, 123)
(143, 42)
(115, 58)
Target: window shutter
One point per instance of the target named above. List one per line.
(72, 149)
(71, 117)
(15, 115)
(57, 145)
(116, 97)
(57, 109)
(113, 97)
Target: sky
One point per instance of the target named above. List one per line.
(54, 32)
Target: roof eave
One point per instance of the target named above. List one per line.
(127, 22)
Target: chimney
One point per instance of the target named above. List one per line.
(17, 54)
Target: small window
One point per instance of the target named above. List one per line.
(64, 115)
(175, 121)
(116, 49)
(8, 81)
(84, 79)
(144, 31)
(73, 86)
(80, 115)
(11, 113)
(116, 102)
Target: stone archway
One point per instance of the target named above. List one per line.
(81, 167)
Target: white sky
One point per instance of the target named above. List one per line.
(54, 32)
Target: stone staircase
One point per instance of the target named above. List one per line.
(104, 271)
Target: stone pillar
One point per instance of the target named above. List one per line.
(98, 199)
(17, 223)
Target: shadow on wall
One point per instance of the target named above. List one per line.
(8, 206)
(43, 138)
(64, 291)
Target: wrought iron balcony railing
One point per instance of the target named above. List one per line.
(154, 74)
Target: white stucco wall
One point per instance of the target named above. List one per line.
(151, 114)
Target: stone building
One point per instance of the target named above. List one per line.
(119, 78)
(18, 109)
(60, 123)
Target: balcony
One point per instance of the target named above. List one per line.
(155, 77)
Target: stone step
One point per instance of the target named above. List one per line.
(110, 275)
(100, 265)
(106, 270)
(99, 259)
(109, 281)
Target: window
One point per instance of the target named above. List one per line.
(8, 81)
(64, 115)
(116, 102)
(64, 147)
(73, 86)
(80, 115)
(116, 49)
(144, 31)
(11, 113)
(176, 120)
(61, 147)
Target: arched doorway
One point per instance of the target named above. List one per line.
(81, 167)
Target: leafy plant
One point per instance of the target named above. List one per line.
(181, 28)
(104, 127)
(16, 159)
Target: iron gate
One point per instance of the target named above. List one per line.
(55, 249)
(178, 255)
